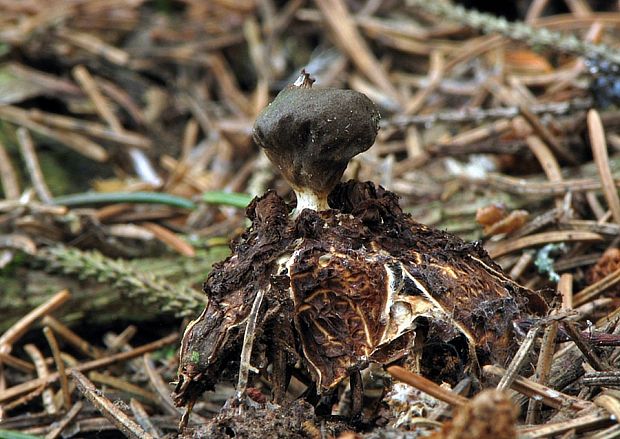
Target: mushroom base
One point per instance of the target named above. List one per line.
(340, 289)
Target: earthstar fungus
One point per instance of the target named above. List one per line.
(311, 134)
(322, 293)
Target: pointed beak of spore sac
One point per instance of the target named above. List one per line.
(311, 134)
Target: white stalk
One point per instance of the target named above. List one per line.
(308, 199)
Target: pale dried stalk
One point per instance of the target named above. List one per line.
(599, 151)
(525, 187)
(547, 161)
(248, 343)
(94, 45)
(8, 177)
(16, 363)
(74, 141)
(42, 372)
(587, 422)
(26, 147)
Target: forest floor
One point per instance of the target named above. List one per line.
(127, 162)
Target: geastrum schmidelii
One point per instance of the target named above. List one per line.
(346, 278)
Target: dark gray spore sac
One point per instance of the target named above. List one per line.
(310, 134)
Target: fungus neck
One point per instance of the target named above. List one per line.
(307, 199)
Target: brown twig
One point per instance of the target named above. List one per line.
(60, 366)
(586, 422)
(509, 246)
(108, 409)
(170, 239)
(20, 389)
(90, 87)
(122, 385)
(585, 347)
(91, 43)
(143, 418)
(59, 426)
(15, 362)
(599, 151)
(593, 290)
(72, 338)
(348, 37)
(20, 327)
(548, 396)
(426, 385)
